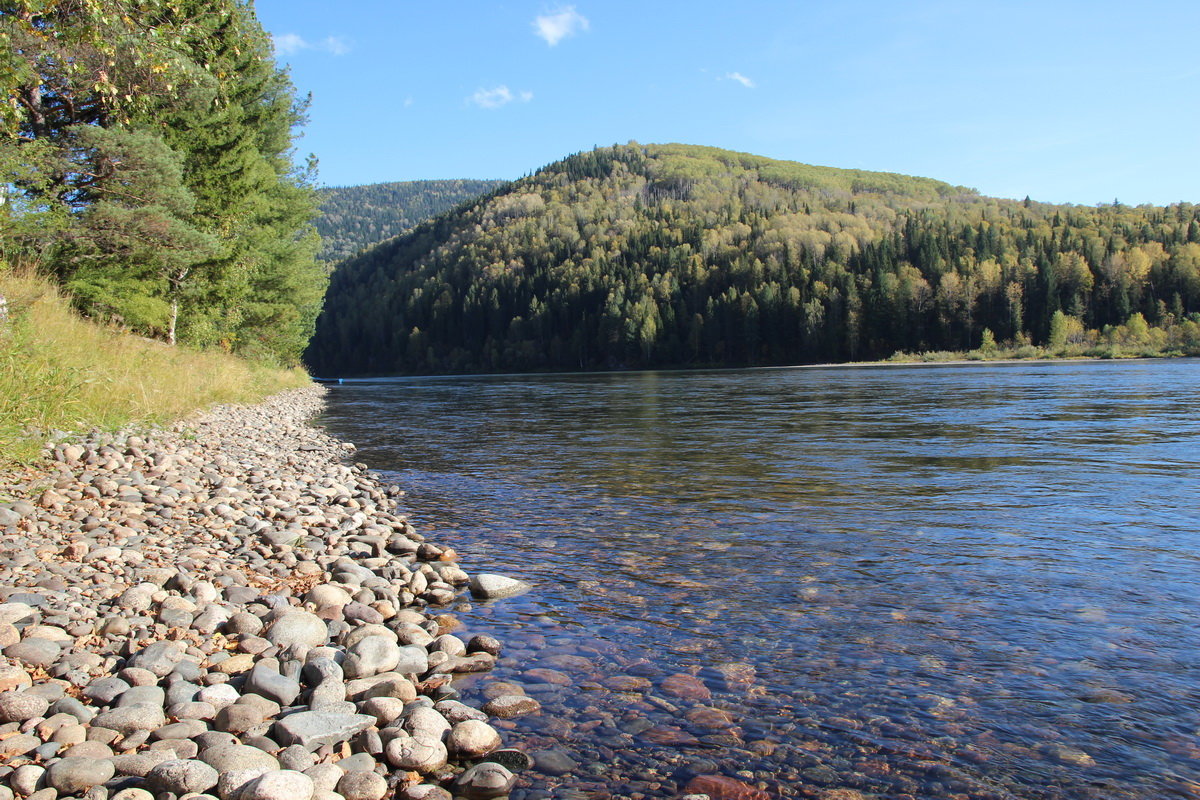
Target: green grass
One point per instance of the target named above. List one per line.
(59, 371)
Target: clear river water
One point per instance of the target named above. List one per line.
(977, 581)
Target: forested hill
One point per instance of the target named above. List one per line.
(672, 255)
(355, 217)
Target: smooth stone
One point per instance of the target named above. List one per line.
(284, 784)
(88, 749)
(508, 706)
(180, 776)
(362, 786)
(18, 745)
(490, 586)
(472, 739)
(359, 762)
(553, 762)
(180, 730)
(297, 627)
(213, 739)
(159, 658)
(427, 721)
(421, 753)
(311, 729)
(132, 793)
(105, 690)
(140, 764)
(27, 779)
(384, 709)
(296, 757)
(455, 711)
(231, 784)
(224, 758)
(143, 696)
(325, 777)
(267, 682)
(371, 656)
(483, 643)
(35, 652)
(192, 710)
(74, 775)
(20, 706)
(219, 696)
(325, 594)
(424, 791)
(237, 718)
(484, 781)
(244, 624)
(129, 719)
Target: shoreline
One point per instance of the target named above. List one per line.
(915, 362)
(225, 609)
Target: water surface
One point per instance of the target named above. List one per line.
(911, 582)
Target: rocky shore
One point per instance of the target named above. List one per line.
(228, 609)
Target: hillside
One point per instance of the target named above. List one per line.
(353, 218)
(673, 255)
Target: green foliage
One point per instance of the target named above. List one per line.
(651, 256)
(987, 343)
(356, 217)
(149, 160)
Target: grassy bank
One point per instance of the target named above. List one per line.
(61, 372)
(1069, 339)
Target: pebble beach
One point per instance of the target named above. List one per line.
(230, 608)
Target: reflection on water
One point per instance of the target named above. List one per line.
(967, 582)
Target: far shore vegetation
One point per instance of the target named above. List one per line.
(1068, 339)
(673, 256)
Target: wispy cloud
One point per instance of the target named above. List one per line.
(740, 78)
(287, 44)
(559, 25)
(500, 96)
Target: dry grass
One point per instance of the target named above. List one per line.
(61, 372)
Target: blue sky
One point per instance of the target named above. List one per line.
(1074, 102)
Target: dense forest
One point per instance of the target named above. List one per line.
(673, 255)
(146, 164)
(353, 218)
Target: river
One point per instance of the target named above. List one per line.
(975, 581)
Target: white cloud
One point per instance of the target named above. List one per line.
(740, 78)
(500, 96)
(336, 45)
(559, 25)
(287, 44)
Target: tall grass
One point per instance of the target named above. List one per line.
(61, 372)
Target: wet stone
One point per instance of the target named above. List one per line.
(509, 706)
(553, 762)
(483, 781)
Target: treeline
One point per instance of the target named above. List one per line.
(146, 165)
(649, 256)
(354, 218)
